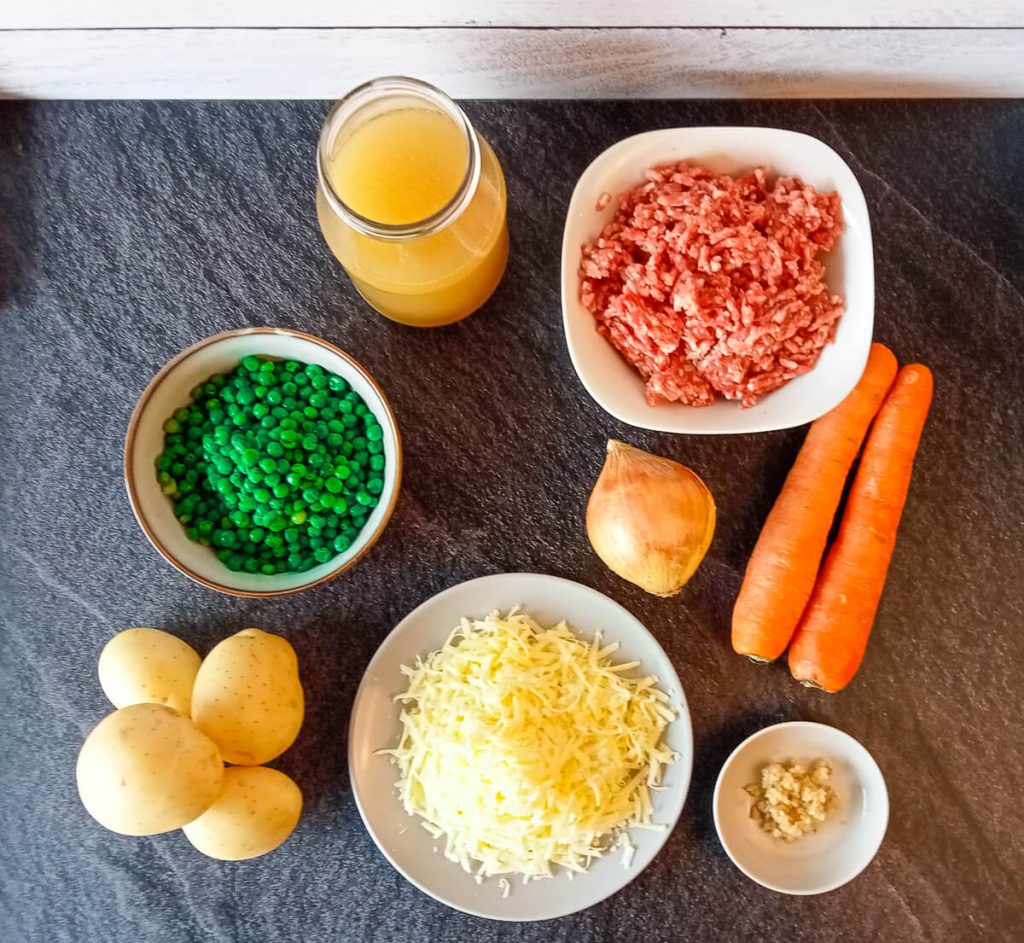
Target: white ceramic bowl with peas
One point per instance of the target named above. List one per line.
(155, 497)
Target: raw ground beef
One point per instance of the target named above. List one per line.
(710, 284)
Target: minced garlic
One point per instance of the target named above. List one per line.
(791, 800)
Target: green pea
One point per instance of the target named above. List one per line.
(275, 449)
(341, 543)
(224, 538)
(336, 383)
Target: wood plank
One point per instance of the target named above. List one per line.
(515, 63)
(64, 14)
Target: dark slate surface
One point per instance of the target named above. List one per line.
(128, 231)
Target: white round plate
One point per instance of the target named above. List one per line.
(848, 838)
(375, 726)
(849, 271)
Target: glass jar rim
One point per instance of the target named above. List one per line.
(347, 107)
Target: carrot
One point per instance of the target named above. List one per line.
(829, 642)
(785, 561)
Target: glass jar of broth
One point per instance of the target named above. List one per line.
(411, 200)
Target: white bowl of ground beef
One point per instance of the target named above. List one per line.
(697, 302)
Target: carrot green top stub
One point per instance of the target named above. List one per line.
(275, 465)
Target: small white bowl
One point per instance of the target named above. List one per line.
(847, 840)
(849, 271)
(170, 389)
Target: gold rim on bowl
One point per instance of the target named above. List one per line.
(129, 465)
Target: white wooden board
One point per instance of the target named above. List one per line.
(66, 14)
(514, 63)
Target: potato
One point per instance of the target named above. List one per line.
(147, 666)
(248, 698)
(257, 810)
(145, 769)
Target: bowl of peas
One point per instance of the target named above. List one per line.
(262, 462)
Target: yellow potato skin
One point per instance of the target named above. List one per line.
(148, 666)
(146, 769)
(247, 697)
(257, 810)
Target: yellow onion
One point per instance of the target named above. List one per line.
(650, 519)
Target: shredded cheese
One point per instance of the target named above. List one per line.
(527, 749)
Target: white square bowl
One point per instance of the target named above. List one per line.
(849, 271)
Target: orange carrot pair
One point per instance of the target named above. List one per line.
(783, 599)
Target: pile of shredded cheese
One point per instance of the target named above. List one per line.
(525, 748)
